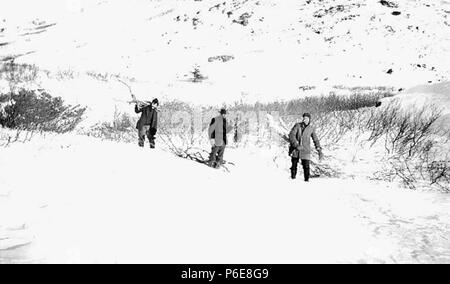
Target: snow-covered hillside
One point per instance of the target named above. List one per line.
(273, 47)
(74, 198)
(97, 201)
(428, 96)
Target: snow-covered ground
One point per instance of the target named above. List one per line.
(71, 198)
(434, 97)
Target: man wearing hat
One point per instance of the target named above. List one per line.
(218, 130)
(148, 123)
(300, 147)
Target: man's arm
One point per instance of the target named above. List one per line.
(155, 119)
(211, 128)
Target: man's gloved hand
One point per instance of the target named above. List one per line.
(321, 157)
(213, 142)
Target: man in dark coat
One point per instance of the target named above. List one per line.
(148, 123)
(300, 147)
(218, 130)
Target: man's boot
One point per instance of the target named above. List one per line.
(151, 140)
(306, 169)
(293, 173)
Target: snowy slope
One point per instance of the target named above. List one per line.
(86, 200)
(438, 94)
(429, 96)
(71, 198)
(277, 46)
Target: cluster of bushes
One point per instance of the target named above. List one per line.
(122, 128)
(30, 110)
(317, 104)
(417, 150)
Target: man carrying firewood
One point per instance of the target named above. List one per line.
(300, 146)
(218, 130)
(148, 123)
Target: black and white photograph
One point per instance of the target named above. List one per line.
(225, 132)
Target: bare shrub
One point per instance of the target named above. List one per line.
(64, 75)
(413, 144)
(439, 174)
(406, 132)
(8, 137)
(122, 128)
(103, 77)
(178, 134)
(18, 74)
(197, 75)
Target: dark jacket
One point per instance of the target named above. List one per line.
(149, 116)
(218, 130)
(300, 139)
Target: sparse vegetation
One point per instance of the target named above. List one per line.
(417, 151)
(64, 75)
(104, 77)
(8, 137)
(197, 76)
(18, 75)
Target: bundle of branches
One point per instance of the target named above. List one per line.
(134, 100)
(182, 144)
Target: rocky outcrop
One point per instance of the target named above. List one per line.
(222, 58)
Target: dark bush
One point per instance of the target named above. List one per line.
(320, 104)
(38, 111)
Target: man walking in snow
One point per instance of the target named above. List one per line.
(148, 123)
(218, 130)
(300, 147)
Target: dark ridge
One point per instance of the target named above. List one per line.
(35, 33)
(14, 57)
(16, 247)
(45, 26)
(389, 4)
